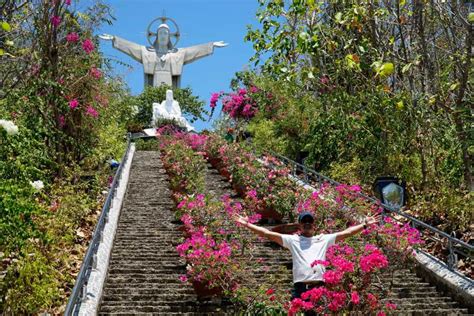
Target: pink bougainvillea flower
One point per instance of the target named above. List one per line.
(373, 261)
(72, 37)
(55, 21)
(355, 298)
(91, 111)
(183, 278)
(88, 46)
(73, 104)
(332, 276)
(214, 98)
(372, 300)
(391, 306)
(96, 73)
(338, 300)
(355, 188)
(67, 2)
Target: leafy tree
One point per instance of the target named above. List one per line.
(371, 87)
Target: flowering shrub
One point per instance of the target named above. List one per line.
(209, 260)
(239, 105)
(211, 249)
(183, 166)
(265, 186)
(348, 276)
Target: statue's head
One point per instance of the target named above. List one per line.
(163, 36)
(169, 95)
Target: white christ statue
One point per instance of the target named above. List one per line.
(169, 109)
(162, 64)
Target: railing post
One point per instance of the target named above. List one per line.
(452, 257)
(84, 293)
(94, 260)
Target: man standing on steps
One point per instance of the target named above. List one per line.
(306, 248)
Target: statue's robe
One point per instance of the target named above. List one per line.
(158, 72)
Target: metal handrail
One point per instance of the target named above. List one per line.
(451, 240)
(78, 292)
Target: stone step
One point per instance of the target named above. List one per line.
(167, 314)
(148, 291)
(431, 312)
(186, 306)
(434, 305)
(155, 261)
(160, 297)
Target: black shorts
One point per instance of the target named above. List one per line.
(300, 287)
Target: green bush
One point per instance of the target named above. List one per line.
(17, 211)
(34, 284)
(264, 136)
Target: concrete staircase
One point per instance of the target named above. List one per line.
(144, 268)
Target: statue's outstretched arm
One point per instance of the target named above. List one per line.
(220, 44)
(194, 53)
(131, 49)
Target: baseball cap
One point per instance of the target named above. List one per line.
(304, 215)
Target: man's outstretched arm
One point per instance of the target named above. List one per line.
(357, 228)
(261, 231)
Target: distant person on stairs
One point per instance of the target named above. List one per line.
(306, 248)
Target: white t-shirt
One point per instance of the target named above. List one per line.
(304, 251)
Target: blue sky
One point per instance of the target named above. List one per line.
(200, 21)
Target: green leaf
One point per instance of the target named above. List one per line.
(402, 2)
(2, 52)
(9, 43)
(338, 17)
(386, 69)
(400, 105)
(6, 26)
(406, 67)
(454, 86)
(470, 17)
(310, 75)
